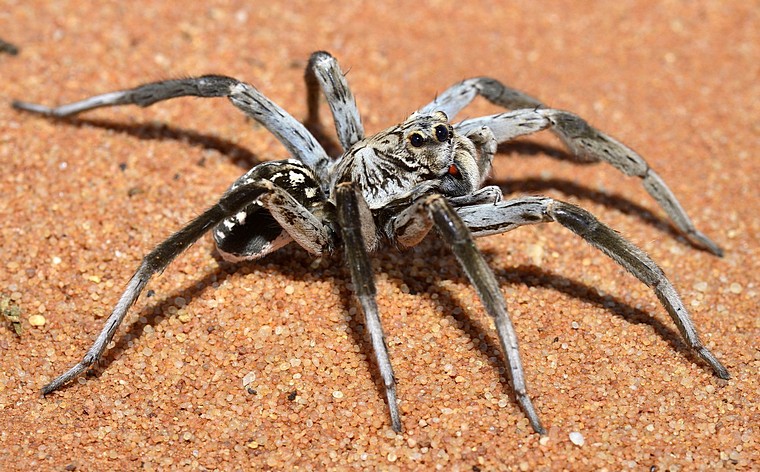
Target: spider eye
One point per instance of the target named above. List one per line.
(441, 133)
(416, 139)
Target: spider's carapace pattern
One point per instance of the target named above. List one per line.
(392, 188)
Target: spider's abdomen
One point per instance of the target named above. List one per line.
(253, 232)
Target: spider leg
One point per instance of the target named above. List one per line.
(455, 233)
(155, 262)
(584, 141)
(356, 224)
(504, 216)
(323, 72)
(459, 95)
(409, 226)
(289, 131)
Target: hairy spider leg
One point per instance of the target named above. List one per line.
(434, 210)
(289, 131)
(356, 226)
(155, 262)
(484, 220)
(583, 141)
(323, 73)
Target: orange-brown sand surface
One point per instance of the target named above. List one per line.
(84, 199)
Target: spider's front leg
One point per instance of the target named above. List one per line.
(410, 225)
(323, 72)
(360, 236)
(583, 141)
(504, 216)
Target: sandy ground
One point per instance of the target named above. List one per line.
(83, 200)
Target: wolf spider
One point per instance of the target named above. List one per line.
(391, 189)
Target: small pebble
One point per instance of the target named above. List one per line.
(735, 288)
(337, 394)
(37, 320)
(249, 378)
(577, 438)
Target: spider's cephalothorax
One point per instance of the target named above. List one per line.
(391, 163)
(393, 188)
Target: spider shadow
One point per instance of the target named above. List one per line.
(537, 186)
(157, 131)
(533, 276)
(152, 312)
(283, 263)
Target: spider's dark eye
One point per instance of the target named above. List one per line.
(416, 139)
(441, 133)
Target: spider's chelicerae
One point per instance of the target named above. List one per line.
(392, 188)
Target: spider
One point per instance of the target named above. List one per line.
(391, 189)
